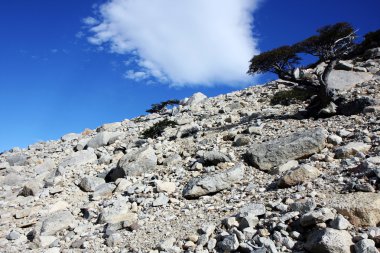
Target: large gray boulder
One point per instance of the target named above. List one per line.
(195, 99)
(103, 139)
(90, 183)
(134, 163)
(56, 222)
(79, 158)
(213, 183)
(343, 80)
(329, 240)
(302, 144)
(18, 159)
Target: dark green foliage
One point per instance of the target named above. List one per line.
(371, 40)
(282, 59)
(287, 97)
(331, 41)
(157, 108)
(157, 129)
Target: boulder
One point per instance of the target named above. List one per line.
(70, 137)
(302, 144)
(361, 208)
(90, 183)
(195, 99)
(135, 163)
(18, 159)
(300, 175)
(56, 222)
(343, 80)
(366, 246)
(213, 183)
(79, 158)
(103, 139)
(214, 157)
(329, 240)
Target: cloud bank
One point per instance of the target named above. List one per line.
(180, 42)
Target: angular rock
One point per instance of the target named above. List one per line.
(32, 188)
(195, 99)
(252, 209)
(168, 187)
(361, 208)
(103, 139)
(90, 183)
(135, 163)
(342, 80)
(304, 173)
(340, 223)
(230, 243)
(303, 206)
(70, 137)
(351, 149)
(279, 151)
(316, 216)
(329, 240)
(56, 222)
(79, 158)
(365, 246)
(161, 200)
(18, 159)
(117, 214)
(214, 158)
(213, 183)
(103, 191)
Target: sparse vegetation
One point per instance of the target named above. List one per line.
(160, 107)
(157, 129)
(287, 97)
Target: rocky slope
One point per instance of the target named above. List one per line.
(235, 174)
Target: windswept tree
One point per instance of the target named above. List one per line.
(331, 44)
(160, 107)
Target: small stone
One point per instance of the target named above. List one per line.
(366, 246)
(56, 222)
(252, 209)
(167, 244)
(162, 200)
(317, 216)
(351, 148)
(46, 241)
(303, 206)
(211, 244)
(304, 173)
(114, 240)
(168, 187)
(13, 235)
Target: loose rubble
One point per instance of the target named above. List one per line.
(236, 174)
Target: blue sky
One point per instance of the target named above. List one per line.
(54, 81)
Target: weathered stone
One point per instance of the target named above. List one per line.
(365, 246)
(329, 240)
(279, 151)
(135, 163)
(103, 139)
(46, 166)
(316, 216)
(70, 137)
(18, 159)
(303, 206)
(241, 140)
(340, 223)
(56, 222)
(161, 200)
(46, 241)
(32, 188)
(340, 79)
(13, 235)
(207, 184)
(214, 158)
(252, 209)
(103, 191)
(304, 173)
(195, 99)
(117, 214)
(79, 158)
(168, 187)
(229, 243)
(351, 149)
(361, 208)
(344, 65)
(89, 183)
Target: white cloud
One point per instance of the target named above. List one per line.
(90, 21)
(186, 42)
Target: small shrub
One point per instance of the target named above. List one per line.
(287, 97)
(157, 129)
